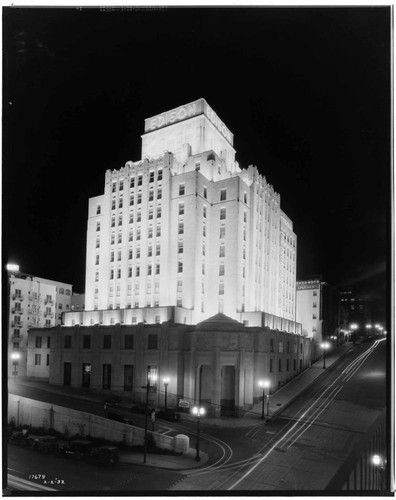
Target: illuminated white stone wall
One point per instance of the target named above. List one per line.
(309, 308)
(189, 228)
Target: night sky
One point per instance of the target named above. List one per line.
(305, 91)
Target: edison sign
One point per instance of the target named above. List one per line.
(188, 111)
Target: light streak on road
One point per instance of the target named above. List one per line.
(328, 394)
(17, 483)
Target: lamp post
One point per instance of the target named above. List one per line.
(15, 356)
(264, 384)
(380, 464)
(166, 382)
(198, 411)
(324, 346)
(150, 378)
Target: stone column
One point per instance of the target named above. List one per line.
(216, 392)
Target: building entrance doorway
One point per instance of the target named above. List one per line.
(227, 400)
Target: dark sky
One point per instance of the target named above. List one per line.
(306, 92)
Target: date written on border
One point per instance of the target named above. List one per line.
(45, 479)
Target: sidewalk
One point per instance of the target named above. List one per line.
(289, 392)
(186, 461)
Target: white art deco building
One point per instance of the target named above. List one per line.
(185, 226)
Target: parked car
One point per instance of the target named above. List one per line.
(105, 455)
(120, 417)
(79, 449)
(47, 444)
(168, 414)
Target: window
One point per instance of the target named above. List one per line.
(128, 343)
(181, 208)
(120, 221)
(149, 269)
(106, 341)
(180, 247)
(272, 345)
(180, 267)
(203, 249)
(97, 209)
(221, 270)
(38, 341)
(315, 293)
(150, 232)
(158, 212)
(181, 228)
(86, 341)
(281, 346)
(223, 194)
(132, 183)
(222, 213)
(132, 200)
(98, 226)
(118, 273)
(179, 303)
(113, 204)
(48, 342)
(120, 203)
(313, 316)
(314, 305)
(151, 213)
(137, 271)
(222, 232)
(129, 272)
(130, 237)
(159, 177)
(157, 268)
(113, 222)
(128, 377)
(287, 365)
(204, 211)
(119, 240)
(245, 198)
(203, 268)
(152, 341)
(151, 176)
(158, 249)
(113, 187)
(48, 359)
(112, 239)
(158, 230)
(244, 216)
(151, 194)
(204, 230)
(157, 320)
(37, 359)
(68, 341)
(111, 274)
(119, 255)
(159, 194)
(181, 189)
(138, 252)
(139, 198)
(294, 365)
(96, 260)
(221, 288)
(61, 291)
(205, 192)
(140, 178)
(130, 254)
(222, 251)
(179, 285)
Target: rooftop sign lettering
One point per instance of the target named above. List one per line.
(190, 110)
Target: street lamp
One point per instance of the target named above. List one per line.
(15, 356)
(151, 378)
(166, 382)
(380, 464)
(264, 384)
(198, 411)
(324, 346)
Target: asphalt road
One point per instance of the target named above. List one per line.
(312, 439)
(31, 470)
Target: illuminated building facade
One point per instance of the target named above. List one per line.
(187, 227)
(33, 302)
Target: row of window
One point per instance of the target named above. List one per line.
(152, 341)
(280, 365)
(138, 199)
(281, 347)
(136, 181)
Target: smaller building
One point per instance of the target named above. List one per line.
(317, 309)
(218, 362)
(32, 302)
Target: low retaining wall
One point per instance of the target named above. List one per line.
(25, 411)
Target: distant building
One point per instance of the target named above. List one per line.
(217, 362)
(185, 226)
(317, 309)
(33, 302)
(355, 307)
(77, 302)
